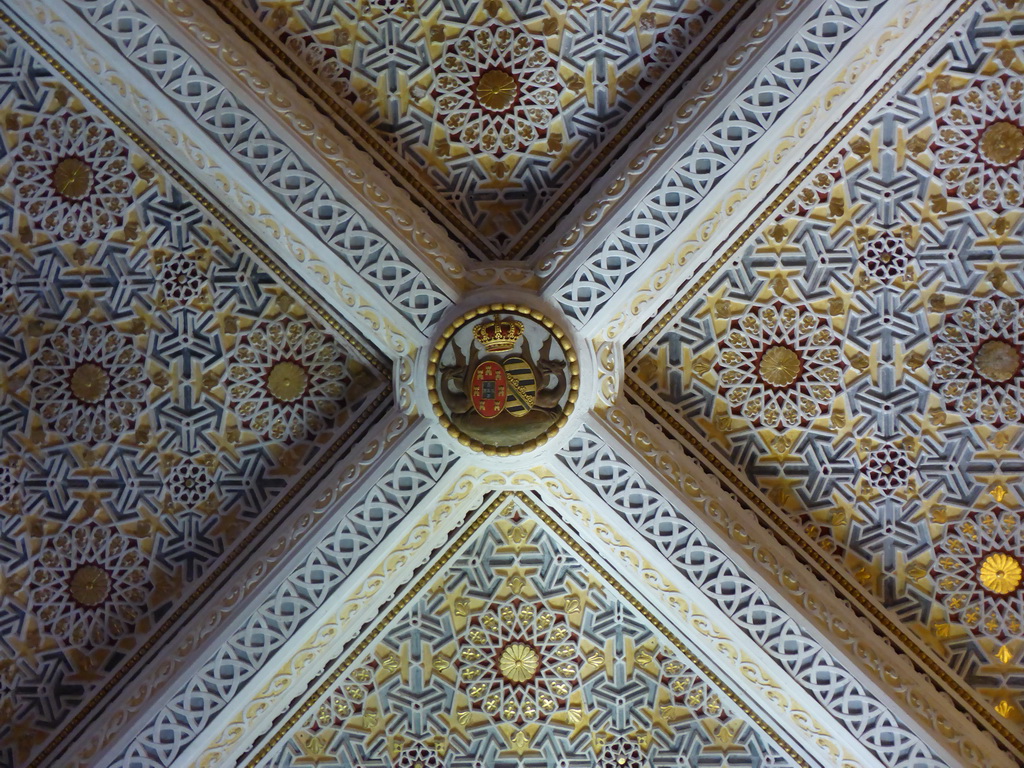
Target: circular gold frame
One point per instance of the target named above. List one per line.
(572, 361)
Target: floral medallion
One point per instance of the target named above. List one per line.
(496, 89)
(287, 380)
(503, 379)
(89, 382)
(89, 585)
(978, 570)
(181, 279)
(979, 144)
(886, 257)
(780, 366)
(519, 661)
(887, 468)
(73, 178)
(977, 360)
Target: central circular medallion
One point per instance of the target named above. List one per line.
(503, 379)
(997, 361)
(1002, 143)
(287, 381)
(89, 585)
(518, 662)
(780, 366)
(496, 90)
(90, 383)
(72, 178)
(1000, 573)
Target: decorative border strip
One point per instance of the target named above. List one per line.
(453, 548)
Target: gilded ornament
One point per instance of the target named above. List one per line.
(997, 361)
(976, 360)
(72, 178)
(1000, 573)
(90, 383)
(780, 366)
(496, 90)
(1002, 143)
(519, 662)
(503, 379)
(287, 381)
(89, 585)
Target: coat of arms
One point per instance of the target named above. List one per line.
(504, 381)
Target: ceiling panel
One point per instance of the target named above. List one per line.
(858, 358)
(164, 394)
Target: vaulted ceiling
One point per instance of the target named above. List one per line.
(773, 512)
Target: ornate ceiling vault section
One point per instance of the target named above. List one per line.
(162, 395)
(218, 548)
(860, 360)
(494, 111)
(391, 272)
(516, 650)
(689, 178)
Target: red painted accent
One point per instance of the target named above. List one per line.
(489, 389)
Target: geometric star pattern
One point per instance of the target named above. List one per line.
(518, 653)
(904, 242)
(131, 468)
(780, 245)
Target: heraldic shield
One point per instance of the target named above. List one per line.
(503, 381)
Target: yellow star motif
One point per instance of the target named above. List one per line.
(520, 741)
(929, 77)
(314, 746)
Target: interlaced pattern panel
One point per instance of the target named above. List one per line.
(689, 181)
(268, 158)
(721, 580)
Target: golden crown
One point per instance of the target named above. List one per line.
(498, 335)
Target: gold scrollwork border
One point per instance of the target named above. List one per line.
(422, 583)
(490, 309)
